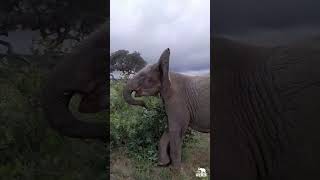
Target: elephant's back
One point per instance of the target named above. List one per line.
(296, 77)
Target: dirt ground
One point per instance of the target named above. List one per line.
(196, 154)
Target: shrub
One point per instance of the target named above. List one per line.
(137, 128)
(31, 150)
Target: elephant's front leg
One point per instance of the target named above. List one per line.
(175, 148)
(164, 158)
(178, 123)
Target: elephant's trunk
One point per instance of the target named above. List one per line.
(61, 119)
(127, 95)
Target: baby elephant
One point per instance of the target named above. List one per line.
(186, 99)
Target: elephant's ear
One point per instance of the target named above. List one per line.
(164, 70)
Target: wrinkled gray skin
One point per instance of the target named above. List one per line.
(186, 99)
(266, 110)
(84, 72)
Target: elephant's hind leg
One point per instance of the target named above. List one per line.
(164, 158)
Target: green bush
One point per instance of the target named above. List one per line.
(29, 148)
(137, 128)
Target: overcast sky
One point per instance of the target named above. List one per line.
(151, 26)
(267, 21)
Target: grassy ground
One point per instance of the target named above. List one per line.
(196, 153)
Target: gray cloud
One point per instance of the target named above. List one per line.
(151, 26)
(266, 21)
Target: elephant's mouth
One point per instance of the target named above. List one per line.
(69, 96)
(137, 94)
(60, 114)
(89, 102)
(129, 96)
(93, 101)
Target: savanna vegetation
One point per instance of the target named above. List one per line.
(29, 149)
(135, 134)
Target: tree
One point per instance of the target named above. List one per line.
(125, 62)
(56, 21)
(23, 128)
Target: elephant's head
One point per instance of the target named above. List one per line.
(149, 81)
(82, 72)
